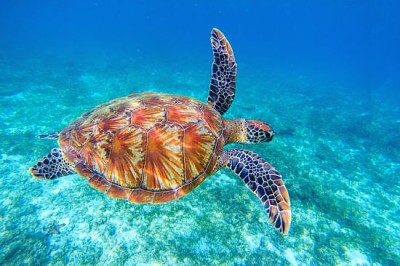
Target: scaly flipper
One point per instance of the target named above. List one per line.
(52, 166)
(223, 78)
(261, 178)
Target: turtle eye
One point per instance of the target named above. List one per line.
(258, 131)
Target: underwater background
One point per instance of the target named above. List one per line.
(324, 74)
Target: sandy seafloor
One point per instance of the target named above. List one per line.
(337, 151)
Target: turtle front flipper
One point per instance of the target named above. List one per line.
(261, 178)
(52, 166)
(223, 78)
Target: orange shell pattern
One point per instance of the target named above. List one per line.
(147, 147)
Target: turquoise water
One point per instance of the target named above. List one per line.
(339, 158)
(328, 87)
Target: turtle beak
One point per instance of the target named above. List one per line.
(270, 134)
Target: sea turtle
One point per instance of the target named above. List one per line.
(154, 147)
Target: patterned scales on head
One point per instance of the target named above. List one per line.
(147, 148)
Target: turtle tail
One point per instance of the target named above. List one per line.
(52, 166)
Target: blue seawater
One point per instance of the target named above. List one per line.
(324, 74)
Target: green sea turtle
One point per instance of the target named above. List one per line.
(155, 147)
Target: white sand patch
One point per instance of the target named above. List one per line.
(291, 257)
(55, 191)
(81, 230)
(65, 221)
(129, 236)
(356, 258)
(253, 241)
(7, 157)
(195, 209)
(95, 236)
(45, 214)
(225, 179)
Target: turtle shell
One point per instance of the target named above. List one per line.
(147, 147)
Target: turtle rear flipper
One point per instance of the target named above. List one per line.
(53, 135)
(52, 166)
(223, 78)
(261, 178)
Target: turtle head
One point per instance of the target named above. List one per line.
(247, 131)
(258, 131)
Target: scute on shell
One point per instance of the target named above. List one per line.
(147, 147)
